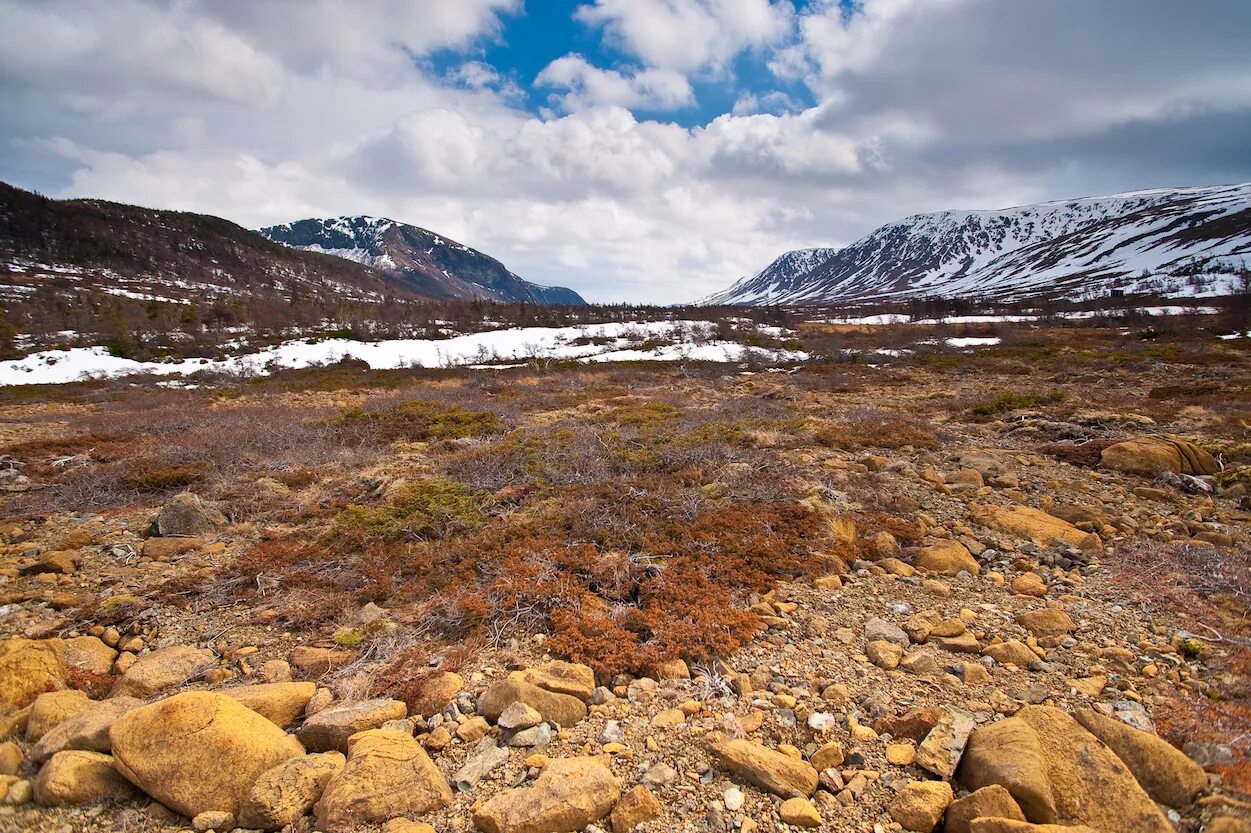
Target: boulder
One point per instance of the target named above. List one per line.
(1009, 754)
(279, 703)
(1029, 584)
(563, 678)
(186, 516)
(1034, 524)
(287, 793)
(330, 728)
(387, 775)
(1048, 621)
(78, 777)
(52, 709)
(162, 669)
(1167, 775)
(562, 709)
(1153, 455)
(940, 752)
(570, 794)
(1012, 652)
(920, 805)
(799, 812)
(634, 808)
(435, 692)
(89, 729)
(198, 751)
(28, 668)
(879, 629)
(994, 825)
(988, 802)
(947, 558)
(58, 562)
(89, 653)
(780, 774)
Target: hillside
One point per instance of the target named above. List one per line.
(422, 260)
(1181, 242)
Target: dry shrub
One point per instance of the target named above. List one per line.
(1084, 453)
(868, 428)
(415, 421)
(150, 474)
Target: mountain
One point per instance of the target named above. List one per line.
(778, 279)
(422, 260)
(104, 248)
(1178, 242)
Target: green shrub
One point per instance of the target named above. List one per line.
(419, 421)
(423, 509)
(1005, 402)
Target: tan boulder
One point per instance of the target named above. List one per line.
(1048, 621)
(988, 802)
(280, 703)
(387, 775)
(780, 774)
(162, 669)
(28, 668)
(1154, 455)
(407, 826)
(1012, 652)
(331, 728)
(435, 692)
(316, 662)
(185, 515)
(198, 751)
(162, 549)
(1010, 754)
(563, 678)
(563, 709)
(634, 808)
(89, 653)
(569, 794)
(52, 709)
(89, 729)
(799, 812)
(994, 825)
(1034, 524)
(287, 793)
(1164, 772)
(947, 558)
(78, 777)
(940, 752)
(920, 805)
(10, 758)
(1029, 584)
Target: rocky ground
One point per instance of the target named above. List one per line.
(1028, 612)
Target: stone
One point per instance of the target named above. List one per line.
(569, 678)
(88, 729)
(161, 670)
(407, 826)
(163, 549)
(330, 729)
(387, 774)
(78, 777)
(998, 825)
(218, 820)
(901, 754)
(884, 654)
(829, 755)
(1153, 455)
(487, 757)
(90, 654)
(279, 703)
(286, 793)
(562, 709)
(920, 805)
(940, 752)
(1012, 652)
(540, 735)
(276, 671)
(913, 725)
(317, 662)
(1035, 525)
(799, 812)
(1048, 621)
(947, 558)
(568, 795)
(637, 806)
(56, 562)
(10, 758)
(780, 774)
(435, 692)
(52, 709)
(879, 629)
(897, 568)
(177, 750)
(1029, 584)
(519, 716)
(674, 669)
(988, 802)
(29, 668)
(186, 516)
(473, 729)
(1167, 775)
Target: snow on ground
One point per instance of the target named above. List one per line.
(893, 318)
(683, 341)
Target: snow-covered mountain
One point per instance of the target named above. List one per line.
(1180, 242)
(425, 261)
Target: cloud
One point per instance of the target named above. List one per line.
(589, 86)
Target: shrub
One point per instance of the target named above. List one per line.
(157, 475)
(425, 508)
(1012, 401)
(876, 429)
(417, 421)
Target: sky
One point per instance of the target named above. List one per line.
(633, 150)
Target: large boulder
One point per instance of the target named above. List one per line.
(946, 558)
(53, 708)
(329, 729)
(163, 669)
(186, 516)
(919, 806)
(988, 802)
(941, 750)
(570, 794)
(89, 729)
(435, 692)
(1012, 652)
(78, 777)
(563, 709)
(387, 775)
(89, 653)
(1047, 621)
(198, 751)
(997, 825)
(1034, 524)
(569, 678)
(280, 703)
(28, 668)
(1010, 754)
(1153, 455)
(780, 774)
(286, 793)
(1164, 772)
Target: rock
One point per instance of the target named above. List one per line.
(1029, 584)
(186, 516)
(540, 735)
(218, 820)
(884, 654)
(407, 826)
(562, 709)
(879, 629)
(1034, 524)
(89, 653)
(78, 777)
(317, 662)
(569, 794)
(940, 752)
(198, 751)
(10, 758)
(780, 774)
(563, 678)
(947, 558)
(1049, 621)
(52, 709)
(829, 755)
(913, 725)
(286, 793)
(276, 671)
(674, 669)
(634, 808)
(1154, 455)
(57, 562)
(473, 729)
(279, 703)
(733, 799)
(19, 792)
(435, 692)
(920, 805)
(387, 774)
(799, 812)
(1012, 652)
(330, 729)
(29, 668)
(519, 716)
(88, 729)
(996, 825)
(988, 802)
(162, 669)
(901, 754)
(487, 757)
(1167, 775)
(163, 549)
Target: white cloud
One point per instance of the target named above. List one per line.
(589, 86)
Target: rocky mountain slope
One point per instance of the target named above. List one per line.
(425, 261)
(1180, 242)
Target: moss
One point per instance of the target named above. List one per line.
(425, 508)
(1193, 648)
(115, 603)
(1011, 401)
(349, 637)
